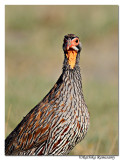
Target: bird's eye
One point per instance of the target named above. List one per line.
(76, 41)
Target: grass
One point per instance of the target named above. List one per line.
(33, 62)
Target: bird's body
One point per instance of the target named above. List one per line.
(60, 120)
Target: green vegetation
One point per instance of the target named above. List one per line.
(33, 62)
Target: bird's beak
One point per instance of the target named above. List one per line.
(71, 45)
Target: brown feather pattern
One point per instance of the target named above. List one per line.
(57, 123)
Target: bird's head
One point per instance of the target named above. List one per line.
(71, 47)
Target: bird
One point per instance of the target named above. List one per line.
(61, 119)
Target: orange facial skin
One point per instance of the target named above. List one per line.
(72, 43)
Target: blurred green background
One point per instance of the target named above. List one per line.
(33, 63)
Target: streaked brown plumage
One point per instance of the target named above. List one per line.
(61, 119)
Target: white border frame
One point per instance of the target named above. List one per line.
(2, 64)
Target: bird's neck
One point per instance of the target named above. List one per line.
(71, 61)
(73, 82)
(72, 75)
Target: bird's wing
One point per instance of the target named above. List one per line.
(31, 131)
(34, 129)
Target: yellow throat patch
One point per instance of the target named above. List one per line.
(71, 56)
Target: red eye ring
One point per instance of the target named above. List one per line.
(76, 40)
